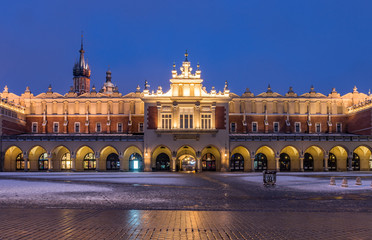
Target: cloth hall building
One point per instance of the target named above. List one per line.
(183, 128)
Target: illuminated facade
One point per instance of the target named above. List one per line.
(185, 128)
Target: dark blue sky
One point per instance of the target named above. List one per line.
(249, 43)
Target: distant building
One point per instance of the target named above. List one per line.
(185, 128)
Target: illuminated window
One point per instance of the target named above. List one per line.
(34, 127)
(233, 127)
(98, 127)
(140, 127)
(20, 162)
(166, 121)
(297, 127)
(43, 162)
(206, 121)
(77, 127)
(120, 127)
(89, 162)
(55, 127)
(338, 127)
(276, 127)
(318, 127)
(186, 121)
(66, 161)
(254, 126)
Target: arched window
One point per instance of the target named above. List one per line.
(237, 162)
(209, 162)
(355, 162)
(20, 162)
(162, 162)
(66, 161)
(332, 162)
(260, 162)
(89, 161)
(112, 162)
(308, 162)
(43, 162)
(135, 162)
(285, 162)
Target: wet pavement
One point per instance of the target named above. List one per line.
(180, 206)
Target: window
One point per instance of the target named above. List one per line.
(34, 127)
(98, 127)
(206, 121)
(55, 127)
(338, 127)
(233, 127)
(254, 126)
(20, 162)
(77, 127)
(120, 127)
(186, 121)
(140, 127)
(318, 127)
(166, 121)
(43, 161)
(89, 162)
(297, 127)
(66, 161)
(276, 127)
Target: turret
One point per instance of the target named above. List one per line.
(81, 72)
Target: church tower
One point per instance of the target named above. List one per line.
(81, 72)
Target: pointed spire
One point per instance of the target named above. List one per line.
(312, 89)
(269, 89)
(186, 55)
(108, 74)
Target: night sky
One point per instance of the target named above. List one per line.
(327, 43)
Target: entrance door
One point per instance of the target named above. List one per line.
(187, 163)
(332, 162)
(135, 163)
(308, 162)
(112, 162)
(260, 162)
(355, 163)
(209, 162)
(162, 162)
(237, 162)
(285, 162)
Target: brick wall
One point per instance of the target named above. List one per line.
(152, 117)
(360, 122)
(220, 117)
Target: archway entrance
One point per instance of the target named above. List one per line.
(135, 162)
(237, 162)
(332, 162)
(209, 162)
(14, 159)
(112, 162)
(162, 162)
(308, 162)
(260, 162)
(187, 163)
(285, 162)
(362, 159)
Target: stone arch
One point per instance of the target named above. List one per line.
(57, 154)
(364, 154)
(207, 152)
(317, 154)
(33, 156)
(10, 158)
(294, 156)
(124, 163)
(341, 155)
(103, 154)
(245, 154)
(158, 150)
(270, 155)
(183, 154)
(80, 154)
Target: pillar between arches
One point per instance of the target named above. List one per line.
(173, 164)
(301, 164)
(326, 163)
(252, 164)
(350, 162)
(277, 164)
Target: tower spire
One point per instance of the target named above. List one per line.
(186, 54)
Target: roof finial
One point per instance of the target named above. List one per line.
(186, 54)
(82, 38)
(174, 65)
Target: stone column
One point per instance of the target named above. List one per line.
(50, 163)
(326, 163)
(199, 164)
(147, 162)
(25, 157)
(73, 163)
(97, 155)
(123, 167)
(277, 164)
(252, 164)
(350, 162)
(301, 164)
(173, 164)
